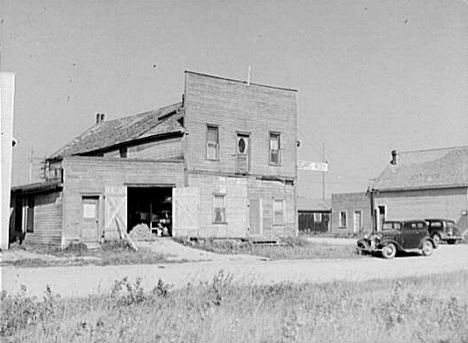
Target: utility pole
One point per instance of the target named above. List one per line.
(31, 159)
(323, 172)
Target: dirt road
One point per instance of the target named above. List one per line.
(81, 281)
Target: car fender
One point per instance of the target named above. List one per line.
(387, 241)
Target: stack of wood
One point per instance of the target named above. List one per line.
(141, 232)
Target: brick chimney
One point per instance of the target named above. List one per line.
(395, 157)
(100, 117)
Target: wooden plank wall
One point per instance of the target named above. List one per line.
(235, 190)
(90, 176)
(268, 191)
(237, 107)
(47, 219)
(420, 204)
(164, 149)
(350, 202)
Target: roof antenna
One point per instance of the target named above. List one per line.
(248, 77)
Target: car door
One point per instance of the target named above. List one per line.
(412, 234)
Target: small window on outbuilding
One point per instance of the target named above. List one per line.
(212, 143)
(219, 208)
(123, 152)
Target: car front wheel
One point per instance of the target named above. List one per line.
(389, 251)
(427, 248)
(436, 238)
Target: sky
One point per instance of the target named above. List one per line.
(372, 76)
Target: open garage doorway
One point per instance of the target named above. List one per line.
(151, 206)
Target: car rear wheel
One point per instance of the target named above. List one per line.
(436, 238)
(389, 251)
(427, 248)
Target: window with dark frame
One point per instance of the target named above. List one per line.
(275, 148)
(219, 208)
(278, 212)
(212, 143)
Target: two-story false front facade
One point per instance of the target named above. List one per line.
(221, 163)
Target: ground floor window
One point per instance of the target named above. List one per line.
(278, 211)
(219, 208)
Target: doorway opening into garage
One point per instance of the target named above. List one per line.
(150, 206)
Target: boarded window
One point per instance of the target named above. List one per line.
(278, 211)
(212, 143)
(219, 208)
(275, 157)
(343, 219)
(317, 217)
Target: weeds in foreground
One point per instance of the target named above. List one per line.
(426, 309)
(287, 248)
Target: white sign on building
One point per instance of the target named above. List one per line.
(314, 166)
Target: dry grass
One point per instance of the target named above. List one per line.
(425, 309)
(288, 248)
(110, 253)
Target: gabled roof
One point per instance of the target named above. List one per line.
(425, 169)
(124, 130)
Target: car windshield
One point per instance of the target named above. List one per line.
(391, 226)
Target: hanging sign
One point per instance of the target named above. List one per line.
(314, 166)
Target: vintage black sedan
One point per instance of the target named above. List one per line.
(406, 236)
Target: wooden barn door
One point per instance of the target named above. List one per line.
(185, 211)
(115, 223)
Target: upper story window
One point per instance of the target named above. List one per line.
(212, 143)
(275, 148)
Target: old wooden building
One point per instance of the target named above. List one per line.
(424, 184)
(221, 163)
(351, 213)
(313, 215)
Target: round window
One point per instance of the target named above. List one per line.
(241, 145)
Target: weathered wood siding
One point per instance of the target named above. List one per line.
(237, 107)
(47, 219)
(420, 204)
(235, 191)
(238, 193)
(86, 176)
(350, 202)
(267, 191)
(166, 149)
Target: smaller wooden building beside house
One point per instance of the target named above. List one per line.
(314, 215)
(351, 213)
(424, 184)
(221, 163)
